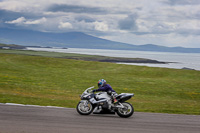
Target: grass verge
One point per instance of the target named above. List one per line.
(53, 81)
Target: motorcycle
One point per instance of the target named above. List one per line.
(102, 103)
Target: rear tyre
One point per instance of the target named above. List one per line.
(84, 107)
(127, 111)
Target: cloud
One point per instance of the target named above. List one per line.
(22, 20)
(135, 21)
(100, 26)
(129, 23)
(182, 2)
(84, 18)
(75, 9)
(12, 5)
(38, 21)
(65, 25)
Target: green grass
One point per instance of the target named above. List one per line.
(78, 56)
(53, 81)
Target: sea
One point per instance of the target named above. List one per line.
(176, 60)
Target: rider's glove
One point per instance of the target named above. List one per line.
(94, 90)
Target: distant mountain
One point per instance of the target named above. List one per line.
(152, 47)
(77, 40)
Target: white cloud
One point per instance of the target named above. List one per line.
(100, 26)
(38, 21)
(24, 21)
(27, 6)
(20, 20)
(12, 5)
(65, 25)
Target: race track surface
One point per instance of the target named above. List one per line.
(30, 119)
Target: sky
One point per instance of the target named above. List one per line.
(162, 22)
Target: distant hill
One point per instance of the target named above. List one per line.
(11, 46)
(77, 40)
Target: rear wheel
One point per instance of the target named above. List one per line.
(84, 107)
(127, 111)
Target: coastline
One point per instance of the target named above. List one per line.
(116, 59)
(84, 57)
(163, 60)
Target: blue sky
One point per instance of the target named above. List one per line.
(162, 22)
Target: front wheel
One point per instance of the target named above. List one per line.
(84, 107)
(127, 111)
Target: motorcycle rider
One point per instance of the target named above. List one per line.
(103, 86)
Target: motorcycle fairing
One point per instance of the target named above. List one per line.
(124, 97)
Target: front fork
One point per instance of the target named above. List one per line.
(85, 102)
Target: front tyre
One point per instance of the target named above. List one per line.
(127, 111)
(84, 107)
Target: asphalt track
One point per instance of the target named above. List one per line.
(31, 119)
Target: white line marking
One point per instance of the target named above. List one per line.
(16, 104)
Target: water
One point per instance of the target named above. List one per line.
(180, 60)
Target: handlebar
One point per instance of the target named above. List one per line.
(89, 90)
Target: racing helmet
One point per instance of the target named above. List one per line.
(101, 82)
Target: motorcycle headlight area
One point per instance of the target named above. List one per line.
(85, 96)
